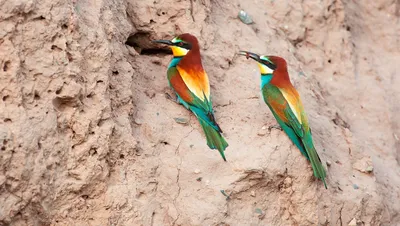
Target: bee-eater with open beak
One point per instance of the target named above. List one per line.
(286, 106)
(188, 79)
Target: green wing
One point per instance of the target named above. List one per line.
(284, 115)
(202, 109)
(299, 133)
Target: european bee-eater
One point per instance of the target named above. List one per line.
(284, 102)
(188, 79)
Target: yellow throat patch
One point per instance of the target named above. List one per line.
(178, 51)
(264, 69)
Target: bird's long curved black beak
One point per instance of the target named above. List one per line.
(250, 55)
(167, 42)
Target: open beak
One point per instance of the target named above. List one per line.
(250, 55)
(167, 42)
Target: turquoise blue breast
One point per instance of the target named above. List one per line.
(265, 79)
(174, 62)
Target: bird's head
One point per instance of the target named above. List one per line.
(267, 64)
(181, 44)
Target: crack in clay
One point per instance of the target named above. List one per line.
(191, 10)
(261, 181)
(231, 103)
(179, 174)
(340, 215)
(223, 105)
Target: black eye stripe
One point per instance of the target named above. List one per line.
(268, 64)
(183, 45)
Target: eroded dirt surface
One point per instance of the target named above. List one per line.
(88, 136)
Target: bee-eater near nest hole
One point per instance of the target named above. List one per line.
(188, 79)
(284, 102)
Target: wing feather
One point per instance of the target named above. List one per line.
(196, 81)
(286, 107)
(292, 98)
(202, 107)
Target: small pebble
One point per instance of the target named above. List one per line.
(138, 121)
(245, 18)
(197, 171)
(369, 169)
(328, 163)
(259, 211)
(355, 186)
(288, 181)
(353, 222)
(181, 120)
(253, 193)
(263, 131)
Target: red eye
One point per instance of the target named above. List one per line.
(180, 44)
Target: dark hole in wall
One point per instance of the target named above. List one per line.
(164, 142)
(93, 151)
(58, 91)
(69, 56)
(143, 45)
(6, 65)
(155, 51)
(39, 18)
(90, 95)
(36, 96)
(54, 47)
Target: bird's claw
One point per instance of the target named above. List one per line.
(274, 127)
(169, 97)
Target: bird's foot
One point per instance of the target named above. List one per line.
(274, 127)
(169, 97)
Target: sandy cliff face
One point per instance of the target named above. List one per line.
(88, 136)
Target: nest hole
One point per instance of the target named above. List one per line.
(6, 65)
(143, 45)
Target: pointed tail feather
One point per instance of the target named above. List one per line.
(318, 168)
(214, 138)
